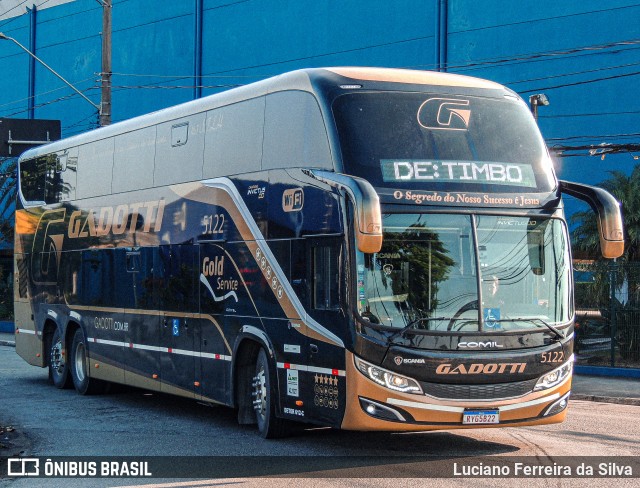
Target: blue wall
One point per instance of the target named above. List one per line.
(573, 51)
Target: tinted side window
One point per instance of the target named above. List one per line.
(32, 179)
(61, 176)
(134, 160)
(95, 169)
(326, 278)
(233, 142)
(179, 150)
(294, 132)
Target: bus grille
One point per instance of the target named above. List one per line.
(478, 392)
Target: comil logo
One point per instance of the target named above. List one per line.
(444, 114)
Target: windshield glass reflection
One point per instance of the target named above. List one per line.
(428, 267)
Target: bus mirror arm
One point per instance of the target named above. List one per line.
(607, 208)
(368, 224)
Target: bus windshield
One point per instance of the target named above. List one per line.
(467, 273)
(451, 143)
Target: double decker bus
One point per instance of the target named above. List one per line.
(366, 249)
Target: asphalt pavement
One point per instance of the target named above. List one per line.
(585, 387)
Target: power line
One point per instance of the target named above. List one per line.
(635, 73)
(607, 136)
(600, 114)
(566, 151)
(75, 83)
(582, 51)
(142, 75)
(169, 87)
(13, 19)
(13, 8)
(555, 17)
(562, 75)
(486, 62)
(44, 104)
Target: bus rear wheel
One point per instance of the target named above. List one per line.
(79, 370)
(58, 366)
(264, 398)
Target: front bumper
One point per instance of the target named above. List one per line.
(374, 407)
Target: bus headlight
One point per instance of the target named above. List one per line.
(387, 378)
(555, 377)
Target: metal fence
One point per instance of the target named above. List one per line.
(607, 314)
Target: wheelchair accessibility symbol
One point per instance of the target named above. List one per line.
(491, 318)
(176, 327)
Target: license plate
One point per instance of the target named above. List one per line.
(478, 417)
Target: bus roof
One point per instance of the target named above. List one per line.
(303, 79)
(417, 77)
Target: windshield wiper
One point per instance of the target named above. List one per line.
(557, 333)
(410, 325)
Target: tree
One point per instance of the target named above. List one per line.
(7, 201)
(625, 274)
(7, 210)
(626, 189)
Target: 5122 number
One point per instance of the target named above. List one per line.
(552, 357)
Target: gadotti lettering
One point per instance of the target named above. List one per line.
(491, 368)
(136, 217)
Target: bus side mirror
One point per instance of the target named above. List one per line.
(366, 203)
(607, 208)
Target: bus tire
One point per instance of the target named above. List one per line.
(78, 366)
(58, 365)
(264, 398)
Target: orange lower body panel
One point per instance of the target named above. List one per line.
(422, 412)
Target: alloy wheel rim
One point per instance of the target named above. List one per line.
(57, 358)
(79, 362)
(260, 393)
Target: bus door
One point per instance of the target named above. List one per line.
(214, 273)
(142, 353)
(179, 328)
(326, 275)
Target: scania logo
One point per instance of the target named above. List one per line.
(400, 360)
(477, 368)
(479, 345)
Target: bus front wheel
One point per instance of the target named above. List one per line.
(264, 398)
(79, 371)
(58, 366)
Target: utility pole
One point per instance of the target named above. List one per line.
(105, 75)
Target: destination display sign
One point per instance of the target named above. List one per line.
(445, 171)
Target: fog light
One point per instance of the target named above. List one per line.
(380, 411)
(558, 406)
